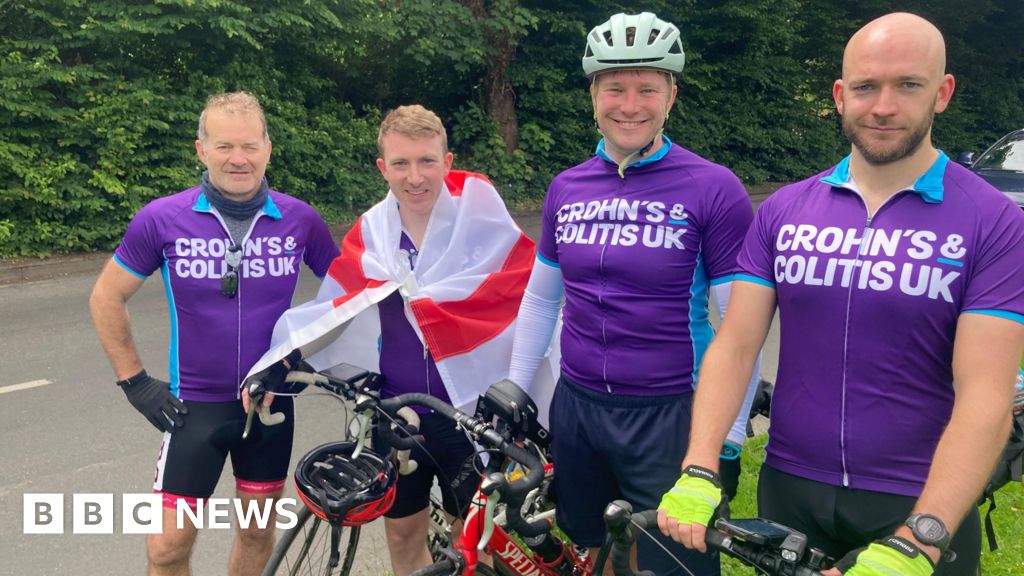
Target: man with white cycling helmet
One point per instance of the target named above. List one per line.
(898, 280)
(635, 239)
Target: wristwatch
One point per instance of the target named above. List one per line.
(929, 530)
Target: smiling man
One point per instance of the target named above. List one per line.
(897, 279)
(637, 239)
(425, 291)
(230, 252)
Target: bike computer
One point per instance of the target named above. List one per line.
(755, 530)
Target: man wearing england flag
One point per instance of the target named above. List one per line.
(426, 292)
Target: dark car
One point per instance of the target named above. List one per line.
(1002, 165)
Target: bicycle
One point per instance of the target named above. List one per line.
(506, 417)
(534, 550)
(315, 545)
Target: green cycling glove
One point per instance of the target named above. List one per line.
(887, 557)
(694, 498)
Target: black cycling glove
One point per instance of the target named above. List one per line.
(273, 377)
(154, 400)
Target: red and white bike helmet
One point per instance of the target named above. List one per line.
(345, 490)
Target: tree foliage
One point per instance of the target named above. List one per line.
(99, 99)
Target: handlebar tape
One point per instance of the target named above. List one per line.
(480, 430)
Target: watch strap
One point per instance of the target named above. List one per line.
(941, 542)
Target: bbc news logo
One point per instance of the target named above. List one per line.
(143, 513)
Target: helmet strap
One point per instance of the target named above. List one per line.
(638, 154)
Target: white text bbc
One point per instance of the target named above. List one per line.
(143, 513)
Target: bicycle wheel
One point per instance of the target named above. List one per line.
(306, 549)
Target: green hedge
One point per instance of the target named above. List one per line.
(99, 99)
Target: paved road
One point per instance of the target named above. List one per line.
(74, 432)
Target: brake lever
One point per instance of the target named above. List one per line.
(256, 393)
(490, 487)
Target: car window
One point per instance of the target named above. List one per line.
(1007, 154)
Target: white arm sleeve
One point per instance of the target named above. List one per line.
(538, 315)
(738, 434)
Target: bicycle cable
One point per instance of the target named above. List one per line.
(645, 532)
(442, 477)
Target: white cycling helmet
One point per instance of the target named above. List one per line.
(634, 41)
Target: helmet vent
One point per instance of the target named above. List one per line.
(627, 61)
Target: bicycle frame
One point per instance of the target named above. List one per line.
(502, 547)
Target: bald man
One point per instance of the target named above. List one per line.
(900, 293)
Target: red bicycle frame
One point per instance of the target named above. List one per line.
(503, 548)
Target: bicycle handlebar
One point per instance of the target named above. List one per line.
(480, 430)
(790, 557)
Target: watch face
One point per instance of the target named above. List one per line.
(929, 530)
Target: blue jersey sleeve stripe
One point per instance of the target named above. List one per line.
(999, 314)
(548, 262)
(754, 279)
(128, 268)
(722, 280)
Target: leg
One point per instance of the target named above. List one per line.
(648, 437)
(407, 523)
(873, 515)
(254, 543)
(260, 464)
(187, 469)
(584, 482)
(407, 542)
(169, 551)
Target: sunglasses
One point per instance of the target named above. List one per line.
(229, 281)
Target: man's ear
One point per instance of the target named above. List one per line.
(946, 89)
(200, 152)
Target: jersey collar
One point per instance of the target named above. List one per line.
(662, 151)
(928, 186)
(269, 208)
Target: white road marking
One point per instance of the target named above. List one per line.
(24, 386)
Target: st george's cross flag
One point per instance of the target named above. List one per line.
(462, 298)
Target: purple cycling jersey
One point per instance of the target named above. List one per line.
(637, 255)
(216, 339)
(405, 363)
(868, 310)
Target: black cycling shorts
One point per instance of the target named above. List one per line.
(192, 457)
